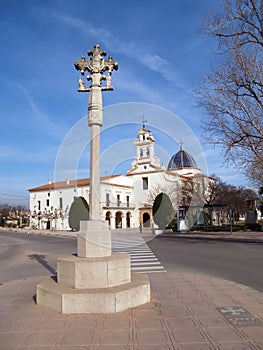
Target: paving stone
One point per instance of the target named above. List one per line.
(51, 325)
(170, 302)
(116, 324)
(259, 344)
(180, 322)
(188, 335)
(234, 346)
(65, 347)
(224, 334)
(224, 301)
(20, 325)
(76, 338)
(206, 312)
(149, 337)
(149, 305)
(256, 310)
(195, 346)
(154, 323)
(113, 347)
(196, 303)
(175, 312)
(255, 333)
(156, 347)
(251, 301)
(115, 338)
(6, 315)
(81, 323)
(45, 338)
(12, 339)
(212, 322)
(145, 313)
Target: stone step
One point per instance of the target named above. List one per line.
(68, 300)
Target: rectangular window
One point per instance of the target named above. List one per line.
(38, 205)
(47, 202)
(60, 203)
(107, 199)
(128, 200)
(145, 183)
(118, 200)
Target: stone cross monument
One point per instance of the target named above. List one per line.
(96, 66)
(96, 279)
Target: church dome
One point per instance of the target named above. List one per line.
(181, 159)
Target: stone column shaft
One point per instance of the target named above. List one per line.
(95, 172)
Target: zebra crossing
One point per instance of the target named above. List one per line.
(143, 260)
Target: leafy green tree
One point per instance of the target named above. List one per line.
(163, 211)
(79, 211)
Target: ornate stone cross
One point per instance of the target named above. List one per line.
(96, 66)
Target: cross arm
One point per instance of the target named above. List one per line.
(82, 65)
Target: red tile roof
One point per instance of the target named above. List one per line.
(68, 184)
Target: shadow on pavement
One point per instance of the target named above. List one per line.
(41, 259)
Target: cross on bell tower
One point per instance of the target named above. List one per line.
(144, 122)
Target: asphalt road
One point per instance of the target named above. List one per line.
(240, 262)
(23, 256)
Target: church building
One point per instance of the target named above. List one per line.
(126, 200)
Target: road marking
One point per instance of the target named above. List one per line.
(239, 317)
(143, 260)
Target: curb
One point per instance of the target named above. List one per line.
(229, 238)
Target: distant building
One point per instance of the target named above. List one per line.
(126, 200)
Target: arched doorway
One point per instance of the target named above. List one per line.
(108, 217)
(118, 219)
(128, 220)
(146, 220)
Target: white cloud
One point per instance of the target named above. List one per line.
(154, 62)
(151, 61)
(129, 82)
(19, 155)
(40, 119)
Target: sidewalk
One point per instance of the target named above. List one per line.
(241, 236)
(249, 236)
(186, 312)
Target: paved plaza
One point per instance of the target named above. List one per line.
(186, 312)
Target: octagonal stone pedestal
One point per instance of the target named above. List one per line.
(100, 300)
(95, 280)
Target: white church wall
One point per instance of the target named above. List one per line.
(124, 199)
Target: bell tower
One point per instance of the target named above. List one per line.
(145, 160)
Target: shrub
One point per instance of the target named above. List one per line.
(163, 211)
(79, 211)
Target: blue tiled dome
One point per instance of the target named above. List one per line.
(181, 159)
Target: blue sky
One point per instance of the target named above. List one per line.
(161, 56)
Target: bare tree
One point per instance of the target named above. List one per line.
(171, 191)
(231, 95)
(198, 190)
(237, 198)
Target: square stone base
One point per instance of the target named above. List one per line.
(104, 272)
(104, 300)
(94, 239)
